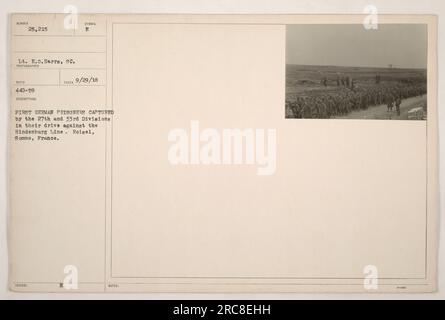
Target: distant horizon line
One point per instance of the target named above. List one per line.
(331, 65)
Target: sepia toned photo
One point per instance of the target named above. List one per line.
(350, 72)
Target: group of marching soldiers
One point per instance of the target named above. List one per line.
(345, 81)
(339, 102)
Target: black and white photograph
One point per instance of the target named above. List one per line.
(222, 159)
(346, 71)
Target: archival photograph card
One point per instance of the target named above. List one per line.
(223, 153)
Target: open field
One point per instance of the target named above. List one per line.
(300, 79)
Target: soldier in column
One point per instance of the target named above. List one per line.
(398, 103)
(306, 111)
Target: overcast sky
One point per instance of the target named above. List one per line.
(402, 45)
